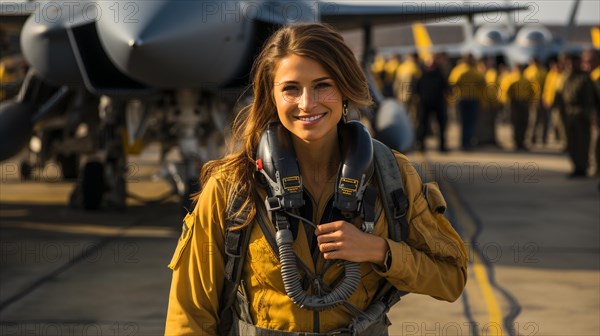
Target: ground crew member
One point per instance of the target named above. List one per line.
(536, 74)
(432, 88)
(304, 82)
(390, 71)
(469, 86)
(486, 125)
(520, 95)
(552, 87)
(407, 75)
(378, 70)
(591, 63)
(578, 99)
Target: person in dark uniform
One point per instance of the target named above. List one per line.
(432, 87)
(578, 99)
(590, 62)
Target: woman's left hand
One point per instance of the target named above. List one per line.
(342, 240)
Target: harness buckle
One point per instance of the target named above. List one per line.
(367, 227)
(272, 203)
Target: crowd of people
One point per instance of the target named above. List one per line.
(560, 98)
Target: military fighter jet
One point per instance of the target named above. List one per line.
(508, 44)
(107, 74)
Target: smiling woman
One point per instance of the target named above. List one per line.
(312, 182)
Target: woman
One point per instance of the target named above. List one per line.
(306, 78)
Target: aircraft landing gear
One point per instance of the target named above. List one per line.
(92, 185)
(25, 170)
(69, 165)
(188, 120)
(102, 181)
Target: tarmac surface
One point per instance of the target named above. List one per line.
(533, 238)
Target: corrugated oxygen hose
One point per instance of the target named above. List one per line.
(292, 285)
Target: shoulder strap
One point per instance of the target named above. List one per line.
(395, 206)
(236, 247)
(393, 197)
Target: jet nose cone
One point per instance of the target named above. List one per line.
(134, 43)
(176, 44)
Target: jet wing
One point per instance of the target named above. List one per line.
(349, 16)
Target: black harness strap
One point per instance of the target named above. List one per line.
(393, 197)
(395, 206)
(236, 247)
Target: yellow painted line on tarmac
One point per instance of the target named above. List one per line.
(481, 274)
(493, 307)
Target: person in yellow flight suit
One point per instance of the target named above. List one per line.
(486, 125)
(469, 90)
(304, 82)
(405, 81)
(390, 68)
(520, 95)
(378, 70)
(552, 87)
(536, 74)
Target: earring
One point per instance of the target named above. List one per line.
(345, 111)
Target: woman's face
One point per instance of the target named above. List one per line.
(308, 101)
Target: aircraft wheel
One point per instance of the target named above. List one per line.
(25, 169)
(69, 165)
(92, 185)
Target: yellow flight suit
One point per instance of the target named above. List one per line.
(405, 82)
(520, 95)
(432, 261)
(468, 82)
(378, 68)
(537, 76)
(552, 84)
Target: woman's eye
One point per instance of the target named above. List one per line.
(322, 86)
(291, 90)
(323, 91)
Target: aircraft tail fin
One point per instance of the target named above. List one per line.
(595, 31)
(422, 41)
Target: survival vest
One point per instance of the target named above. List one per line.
(395, 205)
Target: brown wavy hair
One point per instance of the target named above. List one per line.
(318, 42)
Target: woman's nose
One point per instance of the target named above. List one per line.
(307, 100)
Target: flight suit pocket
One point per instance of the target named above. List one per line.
(186, 234)
(434, 197)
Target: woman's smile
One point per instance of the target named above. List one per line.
(309, 120)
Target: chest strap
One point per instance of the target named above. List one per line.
(236, 247)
